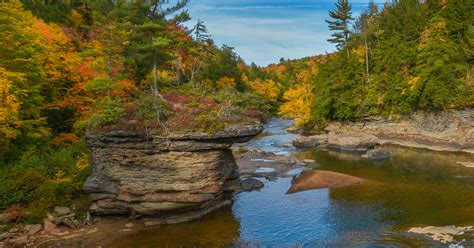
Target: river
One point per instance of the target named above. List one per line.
(412, 188)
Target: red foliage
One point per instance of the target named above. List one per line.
(255, 114)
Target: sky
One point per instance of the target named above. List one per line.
(263, 31)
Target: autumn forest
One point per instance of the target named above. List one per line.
(72, 67)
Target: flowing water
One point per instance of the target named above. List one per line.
(412, 188)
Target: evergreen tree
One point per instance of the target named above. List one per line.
(200, 32)
(342, 17)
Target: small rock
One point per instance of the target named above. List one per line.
(310, 141)
(48, 225)
(71, 223)
(62, 210)
(6, 218)
(284, 144)
(21, 240)
(33, 229)
(6, 235)
(377, 153)
(293, 129)
(309, 161)
(126, 230)
(249, 184)
(129, 225)
(466, 164)
(92, 231)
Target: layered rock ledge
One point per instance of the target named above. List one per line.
(449, 131)
(173, 179)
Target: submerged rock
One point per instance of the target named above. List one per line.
(352, 141)
(318, 179)
(174, 179)
(310, 141)
(377, 153)
(466, 164)
(444, 234)
(249, 184)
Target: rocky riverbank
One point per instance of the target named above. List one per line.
(450, 131)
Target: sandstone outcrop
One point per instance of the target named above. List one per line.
(173, 179)
(451, 131)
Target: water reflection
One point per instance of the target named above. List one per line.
(219, 229)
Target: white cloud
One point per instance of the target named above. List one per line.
(265, 32)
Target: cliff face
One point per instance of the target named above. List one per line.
(172, 179)
(442, 131)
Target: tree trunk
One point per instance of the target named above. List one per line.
(366, 53)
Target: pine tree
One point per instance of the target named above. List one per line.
(200, 32)
(342, 17)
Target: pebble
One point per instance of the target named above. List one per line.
(309, 161)
(21, 240)
(129, 225)
(33, 229)
(6, 235)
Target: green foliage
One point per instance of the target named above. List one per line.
(211, 122)
(108, 111)
(342, 17)
(244, 100)
(152, 109)
(44, 177)
(408, 56)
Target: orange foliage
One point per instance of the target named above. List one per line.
(64, 139)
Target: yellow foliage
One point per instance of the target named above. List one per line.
(267, 88)
(297, 104)
(83, 162)
(360, 54)
(9, 105)
(65, 139)
(413, 81)
(225, 82)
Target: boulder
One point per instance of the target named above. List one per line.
(284, 144)
(48, 225)
(310, 141)
(293, 129)
(352, 141)
(377, 153)
(62, 211)
(318, 179)
(249, 184)
(174, 179)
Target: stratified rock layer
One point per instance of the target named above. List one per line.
(451, 131)
(172, 179)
